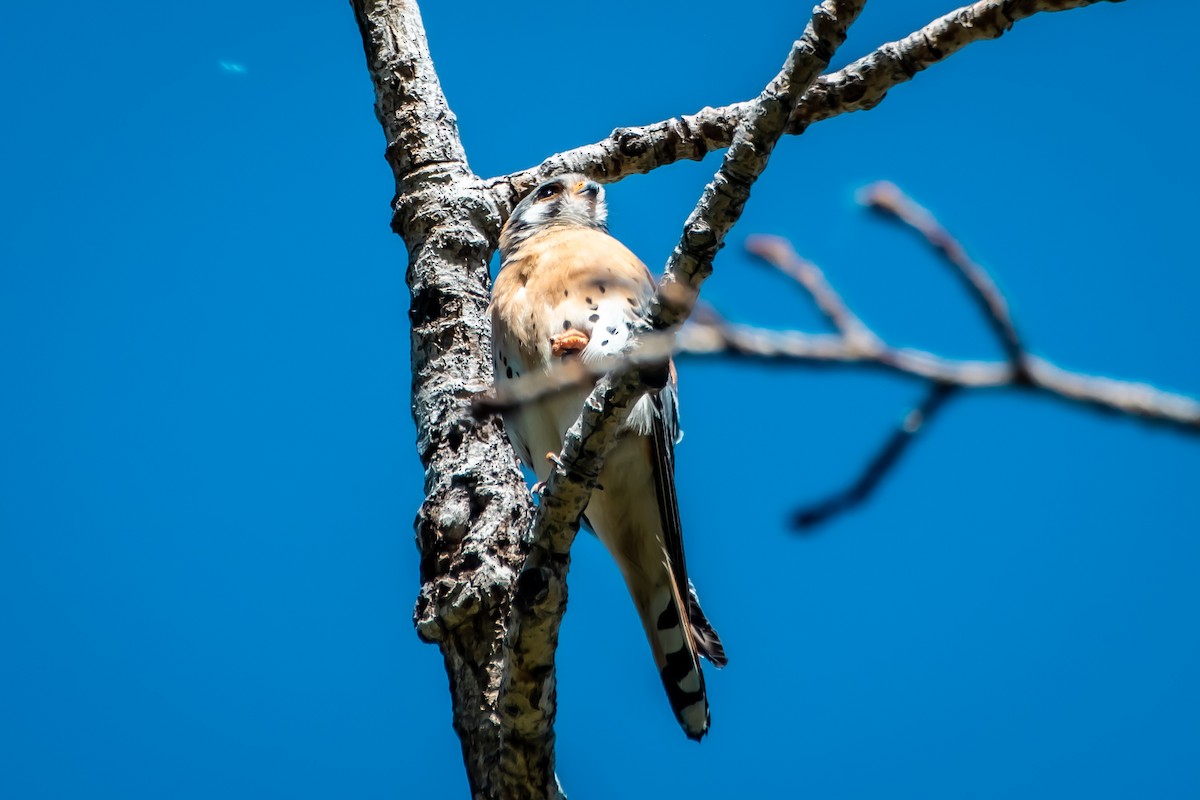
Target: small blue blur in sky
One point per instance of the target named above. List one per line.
(207, 460)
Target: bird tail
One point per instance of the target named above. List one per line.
(708, 644)
(679, 634)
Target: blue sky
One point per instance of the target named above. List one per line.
(206, 561)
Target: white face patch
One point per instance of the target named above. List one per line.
(535, 214)
(601, 213)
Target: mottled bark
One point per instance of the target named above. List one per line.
(859, 86)
(476, 505)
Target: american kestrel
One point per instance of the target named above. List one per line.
(567, 289)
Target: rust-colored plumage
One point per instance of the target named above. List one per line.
(567, 289)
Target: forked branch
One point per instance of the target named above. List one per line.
(855, 344)
(541, 597)
(858, 86)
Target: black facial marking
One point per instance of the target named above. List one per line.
(604, 343)
(612, 328)
(594, 318)
(566, 292)
(566, 324)
(508, 372)
(601, 287)
(587, 300)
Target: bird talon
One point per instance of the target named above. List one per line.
(568, 343)
(554, 459)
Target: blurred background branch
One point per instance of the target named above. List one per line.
(708, 333)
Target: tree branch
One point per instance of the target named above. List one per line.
(718, 209)
(476, 500)
(856, 345)
(888, 200)
(715, 336)
(709, 334)
(541, 596)
(859, 86)
(778, 251)
(724, 198)
(883, 461)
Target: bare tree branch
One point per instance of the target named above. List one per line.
(882, 462)
(859, 86)
(855, 344)
(717, 210)
(892, 203)
(542, 592)
(778, 252)
(715, 336)
(724, 198)
(476, 501)
(708, 334)
(653, 348)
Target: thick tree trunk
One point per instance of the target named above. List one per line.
(476, 504)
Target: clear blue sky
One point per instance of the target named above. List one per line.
(208, 476)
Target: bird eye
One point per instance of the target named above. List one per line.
(548, 191)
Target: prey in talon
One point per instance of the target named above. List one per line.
(568, 288)
(569, 343)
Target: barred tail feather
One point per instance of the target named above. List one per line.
(677, 657)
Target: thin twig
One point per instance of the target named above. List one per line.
(710, 334)
(716, 337)
(891, 203)
(569, 373)
(779, 253)
(881, 464)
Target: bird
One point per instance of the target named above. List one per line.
(567, 289)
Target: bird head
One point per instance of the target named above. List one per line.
(570, 199)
